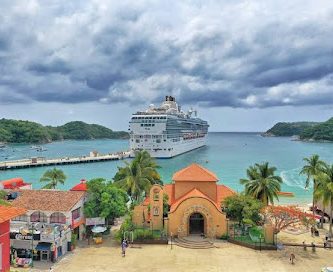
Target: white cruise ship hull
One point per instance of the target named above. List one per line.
(166, 131)
(171, 149)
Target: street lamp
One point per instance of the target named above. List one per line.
(33, 228)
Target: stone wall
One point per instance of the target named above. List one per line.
(215, 220)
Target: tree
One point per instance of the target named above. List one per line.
(243, 208)
(53, 177)
(311, 169)
(281, 217)
(166, 206)
(262, 184)
(3, 201)
(324, 190)
(137, 177)
(105, 200)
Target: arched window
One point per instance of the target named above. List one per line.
(58, 218)
(38, 217)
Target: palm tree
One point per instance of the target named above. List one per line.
(324, 190)
(262, 184)
(53, 177)
(137, 177)
(312, 168)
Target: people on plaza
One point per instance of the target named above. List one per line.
(124, 245)
(292, 258)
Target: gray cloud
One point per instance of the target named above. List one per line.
(211, 53)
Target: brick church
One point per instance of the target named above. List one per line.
(195, 200)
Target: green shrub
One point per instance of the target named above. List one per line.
(224, 237)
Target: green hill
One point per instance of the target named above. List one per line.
(320, 132)
(17, 131)
(289, 129)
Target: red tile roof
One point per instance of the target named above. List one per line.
(9, 212)
(13, 183)
(191, 194)
(194, 172)
(223, 192)
(47, 200)
(82, 186)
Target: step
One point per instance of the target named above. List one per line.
(193, 245)
(191, 242)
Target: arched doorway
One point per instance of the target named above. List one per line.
(196, 223)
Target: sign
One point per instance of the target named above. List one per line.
(19, 236)
(95, 221)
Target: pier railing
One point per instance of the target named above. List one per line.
(42, 161)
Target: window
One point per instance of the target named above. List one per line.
(155, 211)
(76, 213)
(156, 196)
(58, 217)
(22, 218)
(38, 217)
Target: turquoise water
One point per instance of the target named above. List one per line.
(226, 154)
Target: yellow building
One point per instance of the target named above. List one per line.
(195, 204)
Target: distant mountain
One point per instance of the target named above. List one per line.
(289, 129)
(306, 131)
(18, 131)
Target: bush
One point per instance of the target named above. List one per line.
(224, 237)
(142, 234)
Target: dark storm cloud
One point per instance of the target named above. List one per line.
(213, 53)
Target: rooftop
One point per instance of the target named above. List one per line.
(192, 194)
(13, 183)
(47, 200)
(194, 172)
(9, 212)
(82, 186)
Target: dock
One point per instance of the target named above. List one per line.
(42, 161)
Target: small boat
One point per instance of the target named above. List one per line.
(286, 194)
(41, 149)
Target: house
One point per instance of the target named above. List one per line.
(194, 198)
(52, 217)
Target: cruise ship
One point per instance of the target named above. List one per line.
(167, 131)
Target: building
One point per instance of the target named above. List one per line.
(6, 214)
(194, 198)
(14, 183)
(82, 186)
(47, 227)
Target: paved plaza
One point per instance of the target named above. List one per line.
(227, 257)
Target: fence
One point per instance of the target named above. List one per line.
(146, 236)
(251, 237)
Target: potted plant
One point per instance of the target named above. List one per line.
(73, 240)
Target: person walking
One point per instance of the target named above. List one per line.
(123, 247)
(292, 258)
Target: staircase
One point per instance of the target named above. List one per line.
(194, 242)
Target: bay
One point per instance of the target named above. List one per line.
(226, 154)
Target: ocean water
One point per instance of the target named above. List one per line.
(226, 154)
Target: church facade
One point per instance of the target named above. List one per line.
(194, 199)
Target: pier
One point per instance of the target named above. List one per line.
(42, 161)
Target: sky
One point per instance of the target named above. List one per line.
(244, 65)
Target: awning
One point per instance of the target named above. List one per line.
(43, 246)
